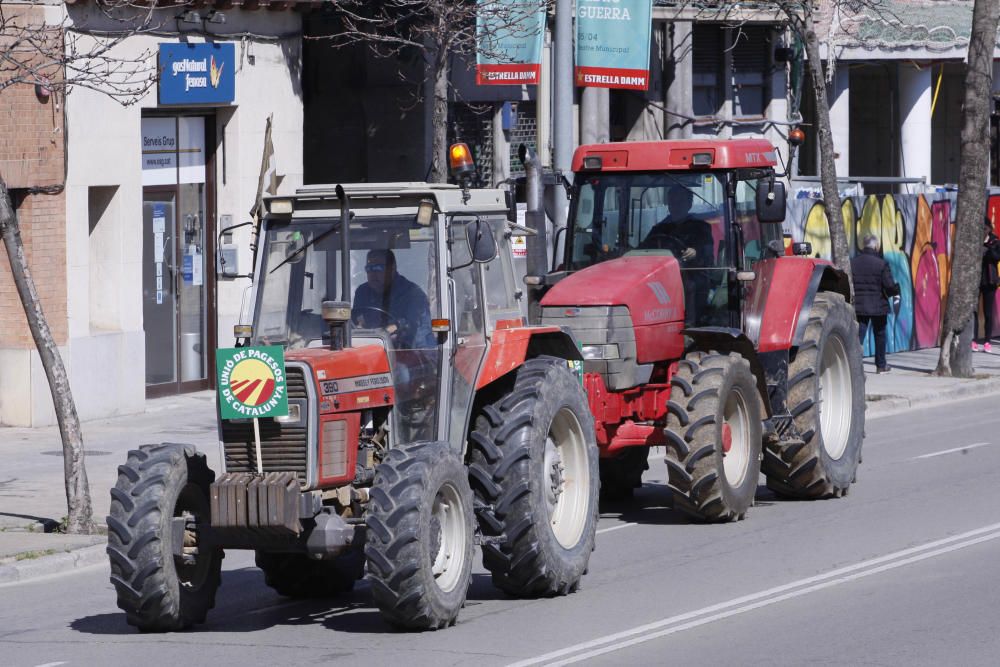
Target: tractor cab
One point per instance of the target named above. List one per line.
(708, 205)
(419, 277)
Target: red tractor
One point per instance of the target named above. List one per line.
(700, 333)
(423, 418)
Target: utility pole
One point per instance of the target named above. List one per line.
(562, 103)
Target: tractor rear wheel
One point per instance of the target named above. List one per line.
(298, 576)
(159, 590)
(419, 540)
(826, 397)
(713, 437)
(621, 475)
(533, 465)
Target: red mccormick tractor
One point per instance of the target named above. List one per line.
(423, 418)
(699, 334)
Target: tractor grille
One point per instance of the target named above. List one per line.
(284, 447)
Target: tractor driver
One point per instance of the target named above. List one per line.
(691, 236)
(388, 300)
(690, 239)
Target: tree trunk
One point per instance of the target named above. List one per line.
(963, 288)
(828, 168)
(439, 119)
(80, 512)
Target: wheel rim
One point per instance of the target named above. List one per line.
(736, 460)
(836, 397)
(566, 478)
(449, 537)
(193, 566)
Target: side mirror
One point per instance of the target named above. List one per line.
(482, 245)
(770, 201)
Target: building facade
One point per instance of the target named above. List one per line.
(121, 207)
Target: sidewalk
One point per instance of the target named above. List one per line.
(33, 501)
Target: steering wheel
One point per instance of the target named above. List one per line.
(667, 242)
(389, 318)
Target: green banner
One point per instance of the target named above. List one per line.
(251, 382)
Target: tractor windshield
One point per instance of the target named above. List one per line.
(393, 280)
(658, 213)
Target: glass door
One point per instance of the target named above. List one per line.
(159, 285)
(177, 279)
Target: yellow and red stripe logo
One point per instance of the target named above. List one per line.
(252, 382)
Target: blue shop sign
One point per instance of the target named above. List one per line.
(197, 73)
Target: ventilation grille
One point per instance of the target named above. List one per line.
(283, 447)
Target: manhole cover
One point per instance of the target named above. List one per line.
(86, 452)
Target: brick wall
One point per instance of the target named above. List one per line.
(32, 155)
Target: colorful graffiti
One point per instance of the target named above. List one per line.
(916, 234)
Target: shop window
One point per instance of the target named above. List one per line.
(104, 255)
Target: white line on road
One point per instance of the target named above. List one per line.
(674, 624)
(952, 451)
(52, 664)
(618, 527)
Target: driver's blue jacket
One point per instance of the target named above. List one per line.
(408, 306)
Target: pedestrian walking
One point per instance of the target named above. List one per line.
(988, 281)
(873, 286)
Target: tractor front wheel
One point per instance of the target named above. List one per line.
(826, 397)
(163, 573)
(419, 540)
(713, 437)
(534, 468)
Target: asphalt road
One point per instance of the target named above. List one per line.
(903, 571)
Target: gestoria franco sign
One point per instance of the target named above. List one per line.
(612, 43)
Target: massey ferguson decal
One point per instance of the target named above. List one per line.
(347, 385)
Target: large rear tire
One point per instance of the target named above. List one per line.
(298, 576)
(419, 540)
(533, 465)
(826, 397)
(157, 590)
(713, 437)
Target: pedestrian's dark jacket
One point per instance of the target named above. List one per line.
(989, 278)
(873, 284)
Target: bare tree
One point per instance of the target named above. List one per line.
(439, 30)
(963, 289)
(35, 51)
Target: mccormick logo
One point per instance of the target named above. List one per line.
(251, 382)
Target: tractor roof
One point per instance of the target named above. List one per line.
(677, 155)
(448, 197)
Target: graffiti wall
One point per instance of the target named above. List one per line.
(916, 233)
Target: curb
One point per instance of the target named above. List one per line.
(884, 405)
(36, 568)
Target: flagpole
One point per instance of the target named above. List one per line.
(256, 439)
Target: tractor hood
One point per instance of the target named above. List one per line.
(352, 378)
(649, 285)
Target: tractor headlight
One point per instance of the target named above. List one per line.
(601, 352)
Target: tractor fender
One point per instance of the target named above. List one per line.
(726, 340)
(510, 348)
(777, 306)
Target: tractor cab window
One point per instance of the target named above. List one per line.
(393, 286)
(759, 240)
(680, 215)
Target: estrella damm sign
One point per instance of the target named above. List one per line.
(251, 382)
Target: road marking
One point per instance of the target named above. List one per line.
(693, 619)
(952, 451)
(52, 664)
(618, 527)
